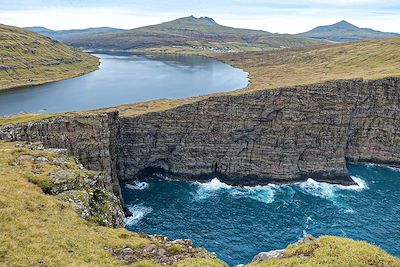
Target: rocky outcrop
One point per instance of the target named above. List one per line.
(59, 175)
(280, 135)
(89, 138)
(162, 251)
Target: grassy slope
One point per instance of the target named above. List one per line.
(368, 60)
(27, 58)
(332, 251)
(38, 228)
(192, 35)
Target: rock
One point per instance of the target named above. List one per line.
(60, 161)
(273, 254)
(282, 135)
(270, 136)
(22, 158)
(160, 252)
(41, 160)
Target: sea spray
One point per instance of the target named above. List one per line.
(137, 185)
(138, 212)
(215, 187)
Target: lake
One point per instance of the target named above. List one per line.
(238, 223)
(126, 78)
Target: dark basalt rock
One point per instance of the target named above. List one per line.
(273, 136)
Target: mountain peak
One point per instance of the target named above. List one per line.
(344, 25)
(201, 20)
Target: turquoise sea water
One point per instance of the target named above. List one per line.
(238, 223)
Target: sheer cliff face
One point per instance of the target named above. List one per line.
(374, 130)
(89, 138)
(280, 135)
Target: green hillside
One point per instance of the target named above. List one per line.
(343, 31)
(63, 35)
(27, 58)
(198, 34)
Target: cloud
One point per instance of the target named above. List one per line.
(285, 16)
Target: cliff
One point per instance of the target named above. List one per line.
(281, 135)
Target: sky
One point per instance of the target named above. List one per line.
(283, 16)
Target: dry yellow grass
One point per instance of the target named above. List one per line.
(369, 60)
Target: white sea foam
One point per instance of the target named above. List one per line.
(263, 194)
(138, 212)
(318, 189)
(325, 190)
(361, 185)
(206, 190)
(214, 185)
(348, 210)
(137, 185)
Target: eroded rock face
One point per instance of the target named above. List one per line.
(61, 176)
(281, 135)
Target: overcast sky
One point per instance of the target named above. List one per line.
(283, 16)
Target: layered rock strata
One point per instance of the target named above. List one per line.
(281, 135)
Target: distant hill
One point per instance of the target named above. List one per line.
(344, 31)
(189, 32)
(27, 58)
(63, 35)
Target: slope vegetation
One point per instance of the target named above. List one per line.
(63, 35)
(368, 60)
(193, 34)
(331, 251)
(344, 31)
(27, 58)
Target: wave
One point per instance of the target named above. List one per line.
(332, 192)
(137, 185)
(326, 190)
(263, 194)
(138, 212)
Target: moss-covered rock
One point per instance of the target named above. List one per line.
(57, 174)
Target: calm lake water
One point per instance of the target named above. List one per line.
(124, 79)
(238, 223)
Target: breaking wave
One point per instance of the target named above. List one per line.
(332, 192)
(137, 185)
(138, 212)
(325, 190)
(263, 194)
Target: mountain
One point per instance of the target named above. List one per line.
(191, 33)
(344, 31)
(27, 58)
(63, 35)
